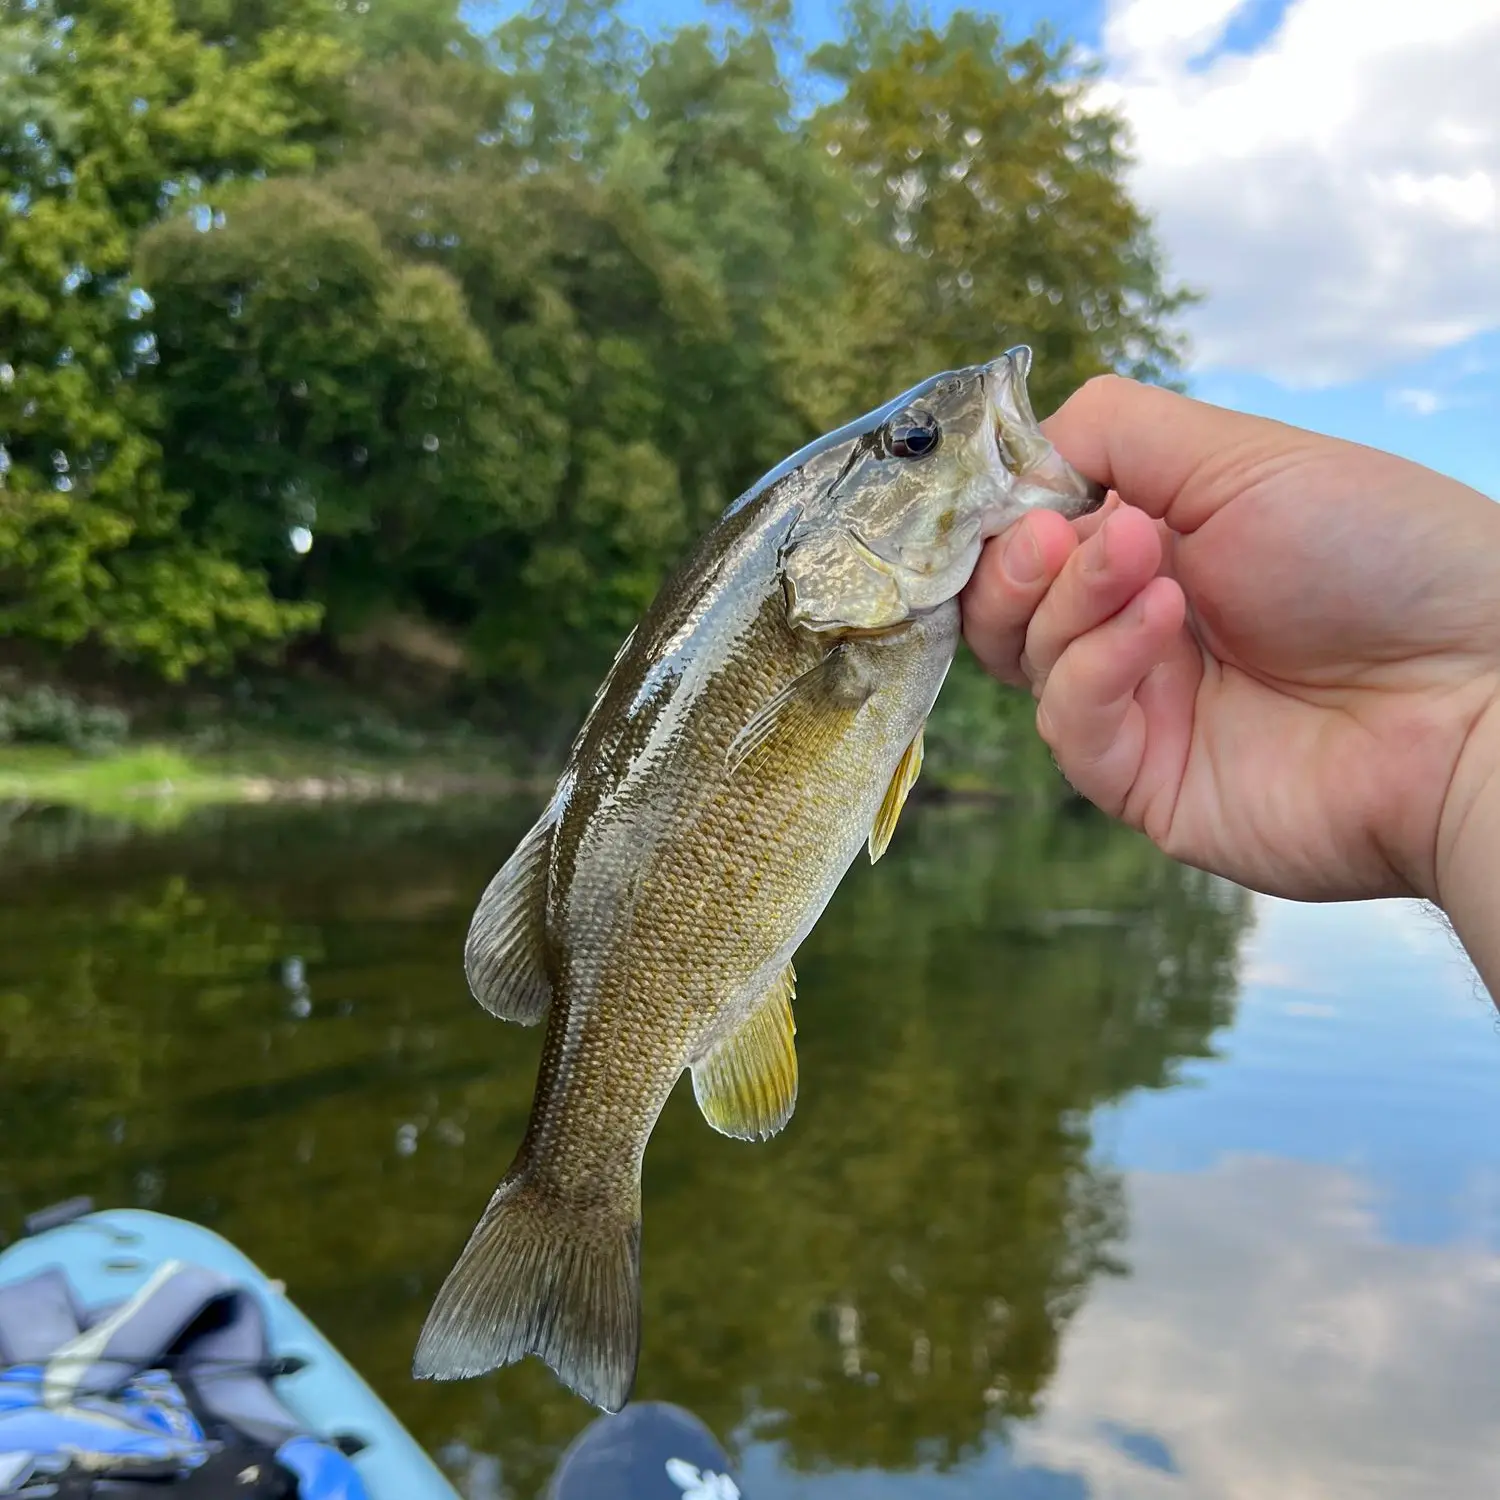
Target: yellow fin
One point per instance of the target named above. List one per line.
(747, 1085)
(907, 770)
(809, 712)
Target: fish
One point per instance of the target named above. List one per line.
(761, 723)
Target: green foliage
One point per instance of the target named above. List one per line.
(129, 115)
(980, 162)
(982, 737)
(318, 315)
(380, 421)
(44, 715)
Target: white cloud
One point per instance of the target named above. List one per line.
(1274, 1344)
(1336, 192)
(1419, 402)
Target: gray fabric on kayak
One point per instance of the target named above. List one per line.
(36, 1316)
(225, 1367)
(204, 1327)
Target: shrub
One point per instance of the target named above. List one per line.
(45, 715)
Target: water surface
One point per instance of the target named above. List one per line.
(1105, 1180)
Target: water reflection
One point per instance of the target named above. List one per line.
(1270, 1341)
(261, 1023)
(1273, 1342)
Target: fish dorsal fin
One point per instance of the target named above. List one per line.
(505, 952)
(810, 712)
(747, 1085)
(908, 768)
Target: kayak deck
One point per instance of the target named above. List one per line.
(109, 1256)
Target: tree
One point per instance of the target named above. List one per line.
(134, 116)
(496, 325)
(336, 416)
(1001, 187)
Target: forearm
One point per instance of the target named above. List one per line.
(1469, 856)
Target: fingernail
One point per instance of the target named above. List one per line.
(1023, 558)
(1096, 553)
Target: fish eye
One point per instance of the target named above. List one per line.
(913, 435)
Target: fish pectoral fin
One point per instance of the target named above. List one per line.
(810, 712)
(746, 1086)
(505, 952)
(908, 768)
(540, 1275)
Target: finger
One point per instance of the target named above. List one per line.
(1101, 576)
(1172, 456)
(1117, 709)
(1014, 573)
(1086, 526)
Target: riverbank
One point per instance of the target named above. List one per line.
(159, 784)
(152, 760)
(163, 781)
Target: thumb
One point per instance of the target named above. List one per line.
(1174, 457)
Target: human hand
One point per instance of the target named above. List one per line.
(1275, 653)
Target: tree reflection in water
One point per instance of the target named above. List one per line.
(260, 1022)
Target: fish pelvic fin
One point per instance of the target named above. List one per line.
(505, 952)
(907, 770)
(541, 1276)
(806, 717)
(746, 1085)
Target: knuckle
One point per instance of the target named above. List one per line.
(1034, 673)
(1106, 386)
(1100, 392)
(1045, 726)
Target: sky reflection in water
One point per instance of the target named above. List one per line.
(1313, 1307)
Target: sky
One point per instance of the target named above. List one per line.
(1327, 172)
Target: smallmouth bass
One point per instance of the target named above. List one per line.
(761, 722)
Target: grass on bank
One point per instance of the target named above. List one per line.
(145, 783)
(158, 784)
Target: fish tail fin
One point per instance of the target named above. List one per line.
(539, 1276)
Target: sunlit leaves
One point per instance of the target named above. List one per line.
(132, 117)
(982, 163)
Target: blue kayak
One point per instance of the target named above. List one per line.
(144, 1354)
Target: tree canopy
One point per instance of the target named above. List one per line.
(318, 314)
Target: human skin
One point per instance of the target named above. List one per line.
(1275, 653)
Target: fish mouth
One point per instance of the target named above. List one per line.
(1037, 474)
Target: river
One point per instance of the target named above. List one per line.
(1106, 1179)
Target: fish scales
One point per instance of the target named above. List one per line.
(760, 851)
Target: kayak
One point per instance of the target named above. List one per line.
(144, 1355)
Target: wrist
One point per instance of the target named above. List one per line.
(1467, 863)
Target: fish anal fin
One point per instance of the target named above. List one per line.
(746, 1085)
(541, 1276)
(809, 713)
(908, 768)
(505, 951)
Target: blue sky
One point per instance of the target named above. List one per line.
(1329, 175)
